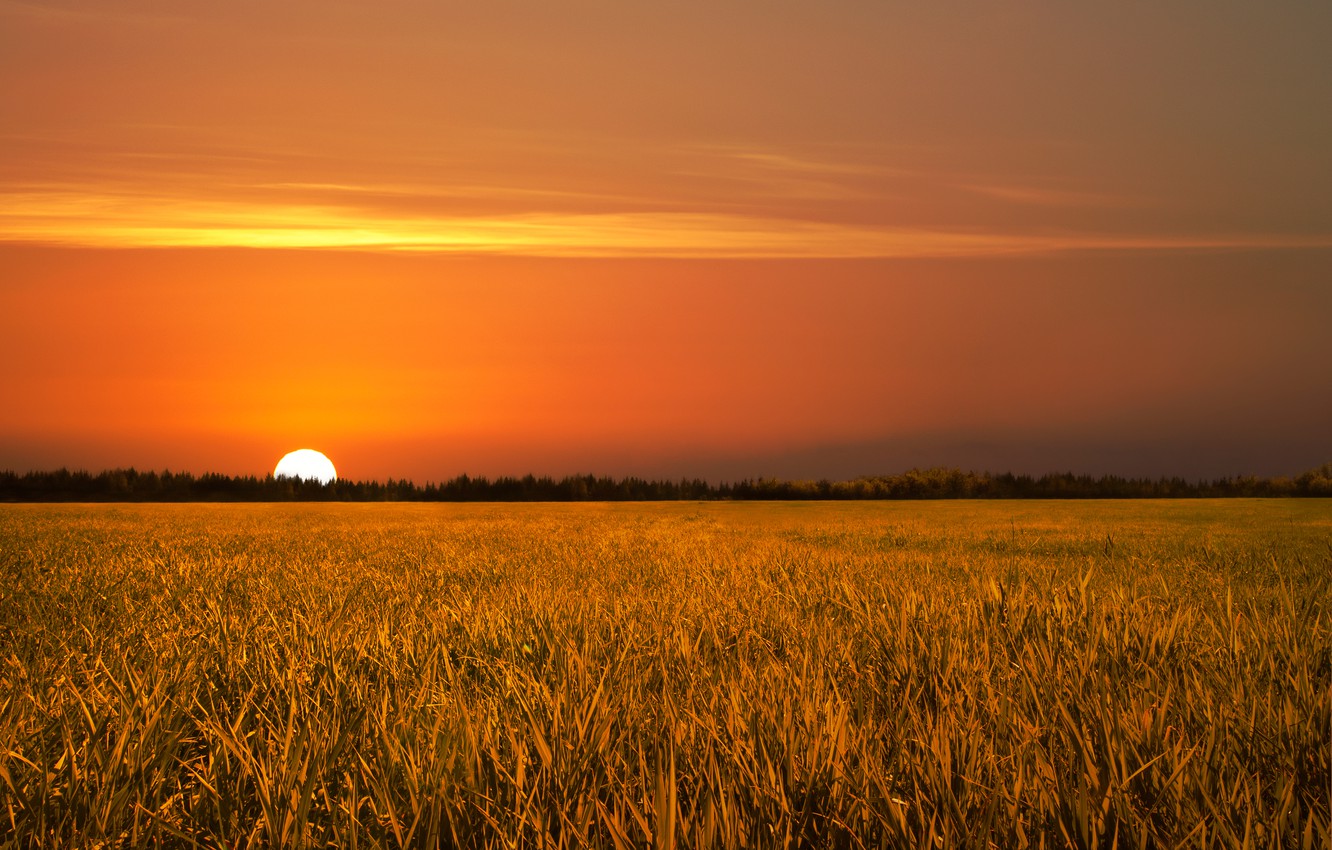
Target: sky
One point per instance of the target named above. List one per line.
(721, 240)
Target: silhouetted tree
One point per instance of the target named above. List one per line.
(130, 485)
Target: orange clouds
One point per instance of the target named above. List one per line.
(617, 131)
(133, 220)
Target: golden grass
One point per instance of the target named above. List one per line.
(1090, 674)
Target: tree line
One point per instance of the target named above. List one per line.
(130, 485)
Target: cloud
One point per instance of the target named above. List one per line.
(769, 173)
(771, 159)
(1040, 196)
(65, 216)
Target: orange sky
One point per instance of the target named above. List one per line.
(690, 239)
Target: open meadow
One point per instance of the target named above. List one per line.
(899, 674)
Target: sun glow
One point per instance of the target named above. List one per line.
(306, 464)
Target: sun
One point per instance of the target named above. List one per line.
(307, 464)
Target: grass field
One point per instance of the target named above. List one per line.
(967, 674)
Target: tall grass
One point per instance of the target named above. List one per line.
(722, 675)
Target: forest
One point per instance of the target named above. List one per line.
(130, 485)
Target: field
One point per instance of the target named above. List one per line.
(970, 674)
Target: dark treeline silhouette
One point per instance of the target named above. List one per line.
(129, 485)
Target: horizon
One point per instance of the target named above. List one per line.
(718, 243)
(1319, 470)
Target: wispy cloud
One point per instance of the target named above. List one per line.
(70, 218)
(1043, 196)
(752, 202)
(768, 173)
(344, 191)
(773, 159)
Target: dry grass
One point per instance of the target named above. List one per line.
(1135, 674)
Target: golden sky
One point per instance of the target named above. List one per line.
(717, 239)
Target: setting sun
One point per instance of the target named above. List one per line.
(306, 464)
